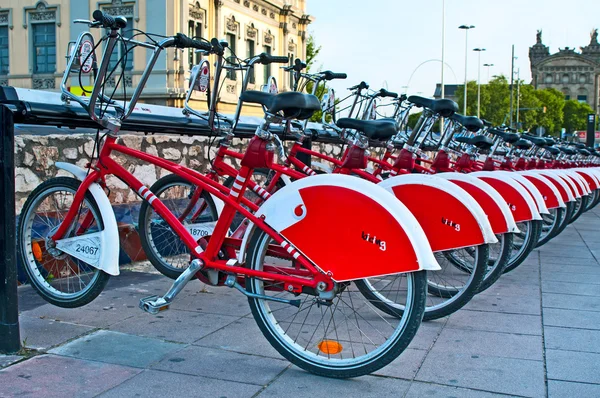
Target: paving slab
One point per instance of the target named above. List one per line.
(431, 390)
(153, 383)
(214, 300)
(494, 374)
(174, 325)
(85, 316)
(41, 334)
(223, 365)
(565, 389)
(570, 302)
(573, 366)
(572, 339)
(564, 276)
(497, 302)
(478, 342)
(297, 383)
(405, 366)
(572, 318)
(571, 267)
(427, 333)
(228, 338)
(579, 288)
(6, 360)
(496, 322)
(53, 376)
(118, 348)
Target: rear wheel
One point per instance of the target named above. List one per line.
(580, 205)
(449, 289)
(60, 278)
(523, 243)
(345, 336)
(551, 224)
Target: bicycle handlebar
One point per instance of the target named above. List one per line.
(361, 86)
(384, 93)
(108, 21)
(267, 59)
(182, 41)
(329, 75)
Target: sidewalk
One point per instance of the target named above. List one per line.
(535, 333)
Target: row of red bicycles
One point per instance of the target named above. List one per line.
(342, 257)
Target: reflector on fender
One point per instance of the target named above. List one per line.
(330, 347)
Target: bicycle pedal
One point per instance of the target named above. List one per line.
(154, 304)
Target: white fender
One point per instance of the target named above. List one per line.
(548, 174)
(579, 180)
(539, 199)
(109, 237)
(448, 187)
(490, 191)
(548, 183)
(592, 173)
(531, 203)
(563, 176)
(321, 166)
(290, 207)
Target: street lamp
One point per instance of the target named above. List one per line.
(479, 50)
(466, 28)
(488, 68)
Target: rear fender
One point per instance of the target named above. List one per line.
(531, 188)
(589, 177)
(368, 233)
(108, 260)
(494, 206)
(450, 217)
(584, 188)
(569, 180)
(549, 192)
(519, 200)
(566, 192)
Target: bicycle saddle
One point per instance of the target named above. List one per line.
(471, 123)
(550, 141)
(463, 139)
(583, 151)
(553, 150)
(486, 123)
(539, 141)
(481, 141)
(522, 143)
(374, 129)
(444, 106)
(566, 150)
(292, 104)
(505, 135)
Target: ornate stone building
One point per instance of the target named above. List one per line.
(576, 74)
(35, 35)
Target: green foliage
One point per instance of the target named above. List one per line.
(554, 101)
(412, 119)
(312, 51)
(575, 115)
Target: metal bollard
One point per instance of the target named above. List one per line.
(9, 312)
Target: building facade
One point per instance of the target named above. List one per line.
(575, 74)
(35, 36)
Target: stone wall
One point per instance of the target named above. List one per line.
(36, 155)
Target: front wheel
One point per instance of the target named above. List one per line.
(551, 224)
(345, 336)
(60, 278)
(523, 242)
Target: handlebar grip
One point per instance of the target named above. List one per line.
(362, 85)
(266, 59)
(182, 41)
(299, 65)
(403, 97)
(329, 75)
(217, 46)
(106, 20)
(384, 93)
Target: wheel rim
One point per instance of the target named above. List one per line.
(549, 222)
(61, 275)
(365, 332)
(520, 240)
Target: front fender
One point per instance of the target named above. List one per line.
(530, 187)
(109, 236)
(347, 227)
(550, 193)
(498, 212)
(563, 187)
(450, 217)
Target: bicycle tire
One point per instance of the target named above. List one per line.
(553, 223)
(534, 228)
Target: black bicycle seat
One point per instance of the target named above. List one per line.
(539, 141)
(292, 104)
(444, 106)
(522, 143)
(374, 129)
(481, 141)
(505, 135)
(553, 150)
(471, 123)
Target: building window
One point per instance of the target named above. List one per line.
(231, 39)
(567, 97)
(267, 68)
(195, 32)
(3, 50)
(548, 78)
(582, 79)
(582, 98)
(44, 47)
(250, 54)
(565, 78)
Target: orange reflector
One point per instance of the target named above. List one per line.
(330, 347)
(37, 251)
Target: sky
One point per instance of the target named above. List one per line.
(383, 42)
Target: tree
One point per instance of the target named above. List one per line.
(575, 115)
(554, 102)
(312, 51)
(530, 107)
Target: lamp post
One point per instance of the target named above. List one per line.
(466, 28)
(488, 69)
(479, 50)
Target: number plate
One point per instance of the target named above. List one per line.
(86, 248)
(201, 230)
